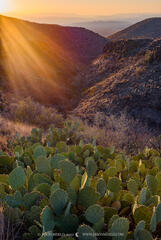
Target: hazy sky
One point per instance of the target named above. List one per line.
(78, 7)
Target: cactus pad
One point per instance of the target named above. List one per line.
(87, 197)
(17, 178)
(58, 201)
(114, 184)
(68, 170)
(94, 213)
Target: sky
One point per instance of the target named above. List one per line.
(76, 8)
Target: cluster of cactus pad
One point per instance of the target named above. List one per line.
(80, 189)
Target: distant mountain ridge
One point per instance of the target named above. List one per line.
(104, 28)
(148, 28)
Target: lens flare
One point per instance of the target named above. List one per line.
(4, 6)
(32, 62)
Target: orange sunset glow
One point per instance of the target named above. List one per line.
(79, 7)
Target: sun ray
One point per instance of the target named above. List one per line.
(31, 60)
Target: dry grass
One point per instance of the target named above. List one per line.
(9, 129)
(28, 111)
(125, 133)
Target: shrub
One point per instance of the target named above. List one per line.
(33, 113)
(123, 132)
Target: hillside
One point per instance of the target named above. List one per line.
(42, 59)
(149, 28)
(126, 77)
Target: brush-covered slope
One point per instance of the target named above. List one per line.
(42, 59)
(149, 28)
(126, 77)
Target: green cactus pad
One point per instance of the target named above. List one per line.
(158, 178)
(91, 167)
(68, 170)
(156, 218)
(109, 212)
(85, 232)
(58, 201)
(101, 187)
(4, 179)
(143, 234)
(30, 199)
(14, 200)
(153, 201)
(120, 226)
(111, 221)
(32, 215)
(41, 178)
(152, 183)
(94, 213)
(139, 226)
(87, 197)
(132, 186)
(54, 187)
(111, 172)
(158, 163)
(43, 188)
(17, 178)
(47, 219)
(143, 213)
(76, 183)
(42, 165)
(68, 224)
(54, 161)
(39, 151)
(72, 195)
(144, 196)
(114, 184)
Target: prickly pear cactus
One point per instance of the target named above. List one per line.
(143, 213)
(14, 200)
(39, 151)
(94, 213)
(143, 234)
(17, 178)
(132, 187)
(139, 226)
(144, 196)
(58, 201)
(91, 167)
(47, 219)
(152, 183)
(101, 187)
(120, 227)
(86, 233)
(68, 170)
(54, 161)
(87, 197)
(42, 165)
(114, 184)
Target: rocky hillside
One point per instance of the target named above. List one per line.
(42, 59)
(149, 28)
(126, 77)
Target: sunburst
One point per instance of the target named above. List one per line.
(4, 6)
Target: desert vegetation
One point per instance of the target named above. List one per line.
(59, 182)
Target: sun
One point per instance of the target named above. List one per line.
(4, 6)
